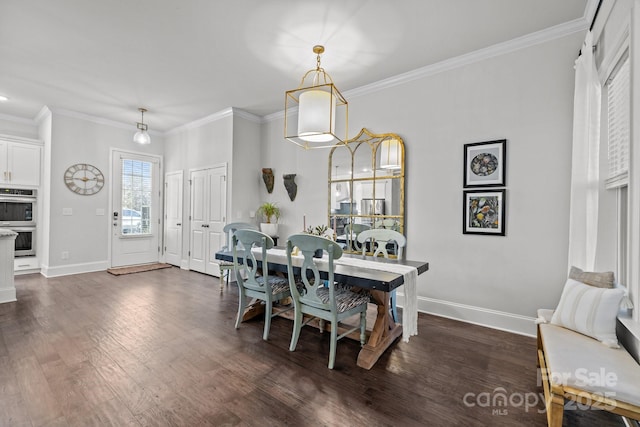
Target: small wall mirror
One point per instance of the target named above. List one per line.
(366, 186)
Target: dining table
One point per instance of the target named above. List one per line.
(380, 276)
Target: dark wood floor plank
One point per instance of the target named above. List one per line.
(38, 397)
(135, 397)
(111, 413)
(160, 348)
(13, 411)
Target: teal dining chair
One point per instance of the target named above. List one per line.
(252, 284)
(352, 231)
(318, 298)
(225, 266)
(375, 241)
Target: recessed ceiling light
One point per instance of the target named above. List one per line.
(3, 98)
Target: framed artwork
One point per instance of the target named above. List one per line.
(485, 164)
(484, 212)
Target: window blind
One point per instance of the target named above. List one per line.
(618, 111)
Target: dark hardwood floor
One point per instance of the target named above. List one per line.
(160, 349)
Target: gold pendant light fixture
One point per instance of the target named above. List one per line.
(142, 136)
(322, 111)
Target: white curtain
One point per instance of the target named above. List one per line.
(583, 212)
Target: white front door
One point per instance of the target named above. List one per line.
(173, 218)
(135, 225)
(208, 216)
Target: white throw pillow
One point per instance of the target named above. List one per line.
(589, 310)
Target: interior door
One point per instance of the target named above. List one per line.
(199, 220)
(173, 192)
(217, 216)
(208, 215)
(136, 195)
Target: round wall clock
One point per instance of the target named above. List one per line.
(84, 179)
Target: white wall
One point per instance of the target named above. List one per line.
(526, 97)
(84, 235)
(245, 169)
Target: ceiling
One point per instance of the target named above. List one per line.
(184, 60)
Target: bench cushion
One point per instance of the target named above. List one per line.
(578, 361)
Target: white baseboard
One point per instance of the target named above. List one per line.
(501, 320)
(7, 295)
(65, 270)
(30, 271)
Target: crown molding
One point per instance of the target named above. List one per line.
(201, 122)
(273, 116)
(246, 115)
(533, 39)
(227, 112)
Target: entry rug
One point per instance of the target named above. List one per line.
(137, 268)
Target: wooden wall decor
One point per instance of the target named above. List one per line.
(290, 185)
(267, 177)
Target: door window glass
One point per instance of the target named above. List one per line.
(137, 190)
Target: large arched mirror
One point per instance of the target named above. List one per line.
(366, 186)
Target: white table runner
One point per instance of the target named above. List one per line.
(410, 308)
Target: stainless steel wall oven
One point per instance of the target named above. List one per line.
(18, 213)
(26, 241)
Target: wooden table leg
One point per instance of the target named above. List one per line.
(384, 332)
(255, 308)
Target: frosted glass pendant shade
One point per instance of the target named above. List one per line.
(316, 116)
(142, 137)
(390, 155)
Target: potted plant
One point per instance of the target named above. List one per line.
(322, 231)
(318, 230)
(269, 211)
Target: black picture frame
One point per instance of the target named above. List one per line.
(485, 164)
(484, 212)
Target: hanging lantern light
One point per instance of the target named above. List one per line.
(322, 111)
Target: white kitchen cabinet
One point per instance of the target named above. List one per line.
(19, 162)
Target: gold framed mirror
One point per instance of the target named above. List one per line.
(366, 186)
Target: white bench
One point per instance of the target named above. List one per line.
(582, 370)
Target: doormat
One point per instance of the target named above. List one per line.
(137, 268)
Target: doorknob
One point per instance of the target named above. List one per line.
(178, 224)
